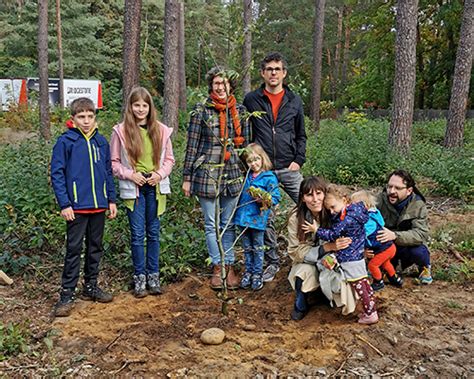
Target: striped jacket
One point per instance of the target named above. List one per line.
(204, 151)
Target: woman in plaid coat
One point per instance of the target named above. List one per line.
(212, 168)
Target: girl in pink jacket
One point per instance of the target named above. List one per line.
(142, 160)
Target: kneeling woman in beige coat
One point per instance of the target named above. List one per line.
(302, 248)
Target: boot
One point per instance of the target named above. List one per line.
(139, 285)
(233, 281)
(154, 284)
(93, 292)
(216, 281)
(65, 304)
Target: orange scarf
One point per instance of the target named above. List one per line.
(221, 106)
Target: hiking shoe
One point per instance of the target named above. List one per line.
(257, 283)
(270, 272)
(246, 280)
(92, 292)
(65, 304)
(154, 284)
(425, 276)
(396, 281)
(297, 315)
(139, 282)
(378, 285)
(368, 320)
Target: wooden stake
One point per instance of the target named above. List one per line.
(5, 278)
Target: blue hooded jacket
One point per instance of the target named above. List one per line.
(248, 213)
(349, 225)
(81, 171)
(372, 226)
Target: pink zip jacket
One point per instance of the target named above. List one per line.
(123, 170)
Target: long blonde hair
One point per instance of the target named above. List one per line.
(133, 138)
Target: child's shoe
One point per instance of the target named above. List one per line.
(257, 282)
(139, 282)
(92, 292)
(368, 320)
(246, 280)
(65, 304)
(425, 276)
(378, 285)
(154, 284)
(396, 280)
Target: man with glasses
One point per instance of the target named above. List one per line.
(403, 208)
(280, 131)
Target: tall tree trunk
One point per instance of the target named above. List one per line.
(43, 69)
(347, 45)
(405, 76)
(60, 53)
(182, 60)
(171, 93)
(462, 75)
(337, 54)
(317, 60)
(247, 47)
(131, 47)
(421, 69)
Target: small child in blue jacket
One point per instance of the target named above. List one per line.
(259, 194)
(81, 176)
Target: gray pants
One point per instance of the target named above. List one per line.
(290, 181)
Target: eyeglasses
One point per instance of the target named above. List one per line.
(396, 188)
(271, 69)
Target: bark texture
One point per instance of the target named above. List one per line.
(247, 47)
(317, 60)
(43, 69)
(182, 60)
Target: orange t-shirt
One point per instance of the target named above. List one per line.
(275, 100)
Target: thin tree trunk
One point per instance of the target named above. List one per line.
(330, 74)
(462, 75)
(347, 45)
(317, 60)
(337, 54)
(171, 93)
(405, 76)
(43, 69)
(247, 47)
(182, 60)
(131, 47)
(60, 54)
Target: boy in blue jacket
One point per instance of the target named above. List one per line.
(81, 176)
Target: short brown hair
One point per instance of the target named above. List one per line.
(220, 72)
(255, 148)
(364, 196)
(82, 104)
(338, 192)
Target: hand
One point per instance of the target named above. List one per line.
(369, 254)
(68, 214)
(343, 243)
(138, 178)
(309, 227)
(294, 166)
(386, 235)
(112, 210)
(154, 179)
(187, 189)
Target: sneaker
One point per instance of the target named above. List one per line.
(257, 283)
(396, 280)
(139, 282)
(65, 304)
(368, 320)
(153, 282)
(270, 272)
(425, 276)
(378, 285)
(297, 315)
(246, 280)
(92, 292)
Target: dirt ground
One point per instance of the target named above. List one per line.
(423, 332)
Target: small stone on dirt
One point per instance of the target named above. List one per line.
(212, 336)
(249, 327)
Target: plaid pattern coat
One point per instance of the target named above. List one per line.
(202, 164)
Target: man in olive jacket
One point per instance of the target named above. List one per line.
(280, 130)
(403, 208)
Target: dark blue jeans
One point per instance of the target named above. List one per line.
(410, 255)
(252, 242)
(143, 219)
